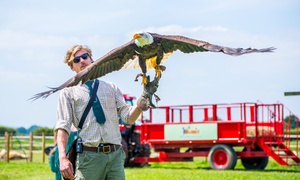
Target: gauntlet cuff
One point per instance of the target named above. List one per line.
(142, 104)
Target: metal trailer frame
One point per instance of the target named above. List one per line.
(252, 132)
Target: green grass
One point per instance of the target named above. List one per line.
(199, 169)
(295, 131)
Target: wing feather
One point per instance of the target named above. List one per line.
(112, 61)
(172, 43)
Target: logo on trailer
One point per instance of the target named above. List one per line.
(190, 132)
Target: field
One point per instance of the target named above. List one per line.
(199, 169)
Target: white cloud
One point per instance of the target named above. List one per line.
(34, 37)
(177, 29)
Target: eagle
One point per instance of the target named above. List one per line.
(147, 51)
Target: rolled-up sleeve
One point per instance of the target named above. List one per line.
(123, 108)
(64, 112)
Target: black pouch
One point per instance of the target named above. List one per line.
(72, 154)
(79, 148)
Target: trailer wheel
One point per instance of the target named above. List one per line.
(255, 163)
(222, 157)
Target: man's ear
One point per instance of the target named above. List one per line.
(71, 67)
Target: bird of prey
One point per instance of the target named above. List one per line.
(148, 49)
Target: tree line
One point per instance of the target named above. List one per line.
(292, 120)
(36, 131)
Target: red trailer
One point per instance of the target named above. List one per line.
(252, 132)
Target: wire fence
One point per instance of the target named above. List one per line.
(22, 147)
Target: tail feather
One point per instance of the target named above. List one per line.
(44, 94)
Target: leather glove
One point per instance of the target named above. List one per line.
(145, 101)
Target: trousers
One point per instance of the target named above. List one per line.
(100, 166)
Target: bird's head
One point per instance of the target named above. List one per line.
(142, 39)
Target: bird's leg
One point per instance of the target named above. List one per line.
(145, 79)
(158, 71)
(137, 76)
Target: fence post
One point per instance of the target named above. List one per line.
(43, 147)
(11, 141)
(7, 144)
(30, 147)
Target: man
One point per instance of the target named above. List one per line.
(108, 163)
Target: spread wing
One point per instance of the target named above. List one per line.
(172, 43)
(112, 61)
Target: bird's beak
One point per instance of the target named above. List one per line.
(136, 36)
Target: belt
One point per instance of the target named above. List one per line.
(105, 148)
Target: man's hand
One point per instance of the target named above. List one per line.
(145, 101)
(66, 168)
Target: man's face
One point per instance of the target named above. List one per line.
(83, 61)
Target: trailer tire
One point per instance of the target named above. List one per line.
(255, 163)
(222, 157)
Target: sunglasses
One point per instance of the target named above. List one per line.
(83, 56)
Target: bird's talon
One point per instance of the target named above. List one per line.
(137, 76)
(162, 68)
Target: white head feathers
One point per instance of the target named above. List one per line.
(142, 39)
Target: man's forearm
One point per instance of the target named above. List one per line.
(133, 114)
(62, 140)
(65, 166)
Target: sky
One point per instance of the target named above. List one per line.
(35, 35)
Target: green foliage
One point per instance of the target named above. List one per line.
(4, 129)
(37, 130)
(22, 131)
(293, 121)
(40, 130)
(32, 128)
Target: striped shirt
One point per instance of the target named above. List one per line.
(72, 103)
